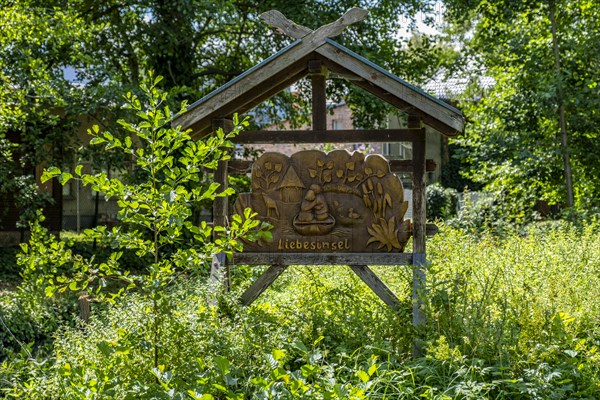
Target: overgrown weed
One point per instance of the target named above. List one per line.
(508, 318)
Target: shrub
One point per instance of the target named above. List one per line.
(155, 211)
(441, 202)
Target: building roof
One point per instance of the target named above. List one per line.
(449, 89)
(290, 64)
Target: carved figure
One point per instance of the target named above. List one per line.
(314, 217)
(270, 204)
(313, 207)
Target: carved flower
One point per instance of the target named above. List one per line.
(384, 233)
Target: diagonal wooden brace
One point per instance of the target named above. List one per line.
(377, 286)
(292, 29)
(262, 283)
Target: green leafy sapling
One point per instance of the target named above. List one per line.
(155, 213)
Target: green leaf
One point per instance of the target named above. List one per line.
(363, 376)
(222, 364)
(278, 354)
(65, 177)
(50, 173)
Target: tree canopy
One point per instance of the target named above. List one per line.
(515, 143)
(64, 59)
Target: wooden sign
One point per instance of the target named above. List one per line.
(335, 202)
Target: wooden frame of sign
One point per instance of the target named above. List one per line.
(315, 198)
(278, 259)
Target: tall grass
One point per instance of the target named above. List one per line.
(516, 317)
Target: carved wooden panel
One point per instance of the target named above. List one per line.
(335, 202)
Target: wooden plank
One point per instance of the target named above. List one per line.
(390, 98)
(290, 28)
(319, 98)
(419, 282)
(402, 91)
(220, 208)
(84, 306)
(376, 285)
(287, 27)
(262, 283)
(220, 203)
(401, 105)
(431, 229)
(322, 258)
(325, 136)
(244, 166)
(419, 291)
(407, 165)
(247, 101)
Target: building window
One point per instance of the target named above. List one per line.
(398, 151)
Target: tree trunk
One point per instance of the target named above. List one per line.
(561, 106)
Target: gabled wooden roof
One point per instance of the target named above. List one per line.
(290, 64)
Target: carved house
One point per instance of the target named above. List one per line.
(291, 187)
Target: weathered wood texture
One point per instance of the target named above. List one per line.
(290, 28)
(333, 136)
(419, 233)
(322, 258)
(84, 306)
(287, 27)
(220, 208)
(244, 166)
(318, 74)
(262, 283)
(376, 285)
(377, 78)
(290, 64)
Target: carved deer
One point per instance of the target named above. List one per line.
(270, 204)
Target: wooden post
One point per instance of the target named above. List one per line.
(318, 75)
(219, 267)
(419, 282)
(84, 306)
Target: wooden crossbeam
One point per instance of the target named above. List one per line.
(336, 136)
(244, 166)
(322, 258)
(292, 29)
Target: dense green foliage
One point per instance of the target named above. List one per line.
(441, 202)
(66, 60)
(497, 327)
(514, 144)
